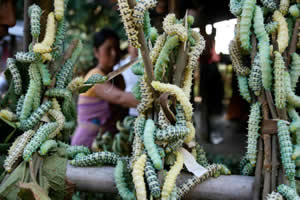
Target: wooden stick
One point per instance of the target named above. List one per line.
(293, 43)
(258, 171)
(26, 26)
(275, 162)
(267, 165)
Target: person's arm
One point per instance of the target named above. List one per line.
(114, 95)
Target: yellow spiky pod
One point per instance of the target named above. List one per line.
(180, 96)
(282, 35)
(170, 179)
(59, 9)
(45, 45)
(138, 177)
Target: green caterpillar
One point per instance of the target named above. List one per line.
(183, 189)
(138, 69)
(67, 69)
(140, 9)
(47, 146)
(243, 87)
(253, 134)
(16, 149)
(236, 7)
(16, 77)
(248, 170)
(159, 44)
(26, 57)
(245, 24)
(269, 4)
(120, 180)
(40, 136)
(79, 155)
(139, 125)
(172, 28)
(59, 39)
(163, 59)
(295, 70)
(136, 90)
(271, 27)
(19, 106)
(180, 118)
(279, 87)
(223, 169)
(96, 79)
(200, 156)
(288, 192)
(8, 115)
(171, 133)
(294, 10)
(35, 116)
(28, 100)
(174, 146)
(292, 98)
(286, 150)
(255, 82)
(150, 145)
(295, 124)
(98, 158)
(34, 12)
(147, 26)
(274, 196)
(34, 74)
(296, 152)
(46, 77)
(153, 34)
(60, 119)
(236, 59)
(152, 179)
(73, 150)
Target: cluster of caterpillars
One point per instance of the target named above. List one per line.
(274, 70)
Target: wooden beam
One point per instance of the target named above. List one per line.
(101, 179)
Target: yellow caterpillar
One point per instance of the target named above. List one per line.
(188, 81)
(8, 115)
(139, 10)
(59, 9)
(137, 148)
(160, 41)
(138, 177)
(45, 45)
(170, 179)
(196, 50)
(236, 59)
(190, 137)
(180, 96)
(16, 150)
(147, 97)
(284, 6)
(282, 35)
(126, 14)
(171, 28)
(55, 104)
(75, 84)
(60, 119)
(46, 57)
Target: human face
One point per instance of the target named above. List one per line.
(7, 16)
(107, 54)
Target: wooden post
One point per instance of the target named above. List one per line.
(26, 29)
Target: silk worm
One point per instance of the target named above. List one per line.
(16, 77)
(284, 6)
(59, 39)
(8, 115)
(236, 7)
(152, 179)
(288, 192)
(196, 50)
(34, 12)
(172, 28)
(291, 97)
(46, 77)
(282, 35)
(96, 79)
(271, 27)
(147, 97)
(20, 105)
(98, 158)
(236, 59)
(243, 87)
(294, 70)
(271, 4)
(73, 150)
(274, 196)
(201, 156)
(138, 177)
(60, 119)
(159, 44)
(255, 80)
(26, 57)
(139, 125)
(279, 87)
(59, 9)
(47, 146)
(139, 10)
(75, 84)
(172, 133)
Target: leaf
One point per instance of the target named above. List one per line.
(32, 191)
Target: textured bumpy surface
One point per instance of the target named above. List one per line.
(279, 87)
(152, 179)
(139, 10)
(288, 192)
(295, 70)
(236, 59)
(243, 87)
(282, 35)
(34, 13)
(16, 77)
(255, 78)
(172, 28)
(274, 196)
(138, 177)
(98, 158)
(47, 146)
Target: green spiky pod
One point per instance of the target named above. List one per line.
(183, 189)
(271, 4)
(46, 77)
(67, 69)
(243, 87)
(295, 70)
(40, 136)
(288, 192)
(35, 12)
(162, 62)
(264, 48)
(26, 57)
(274, 196)
(236, 59)
(59, 39)
(98, 158)
(16, 77)
(201, 156)
(35, 116)
(271, 27)
(279, 87)
(19, 106)
(121, 182)
(150, 145)
(245, 24)
(152, 179)
(73, 150)
(294, 10)
(139, 125)
(236, 7)
(16, 150)
(172, 133)
(96, 79)
(286, 150)
(47, 146)
(138, 69)
(254, 80)
(253, 134)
